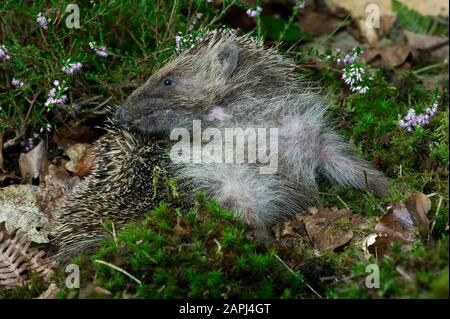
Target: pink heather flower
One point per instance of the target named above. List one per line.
(52, 92)
(4, 53)
(16, 83)
(72, 68)
(99, 50)
(412, 119)
(55, 95)
(254, 13)
(42, 21)
(349, 59)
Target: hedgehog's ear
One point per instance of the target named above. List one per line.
(228, 58)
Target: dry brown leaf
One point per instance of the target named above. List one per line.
(397, 223)
(317, 23)
(376, 244)
(33, 164)
(325, 228)
(436, 46)
(402, 223)
(67, 136)
(418, 206)
(287, 232)
(394, 56)
(81, 159)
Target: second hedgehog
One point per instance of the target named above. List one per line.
(128, 179)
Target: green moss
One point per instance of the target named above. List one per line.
(199, 256)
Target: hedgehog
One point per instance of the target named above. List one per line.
(127, 179)
(230, 81)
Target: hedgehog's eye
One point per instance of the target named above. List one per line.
(168, 82)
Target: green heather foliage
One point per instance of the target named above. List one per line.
(208, 254)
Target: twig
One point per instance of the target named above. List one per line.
(403, 273)
(175, 3)
(30, 107)
(119, 269)
(366, 181)
(431, 67)
(114, 235)
(295, 274)
(89, 100)
(219, 247)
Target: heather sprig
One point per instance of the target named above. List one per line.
(56, 95)
(253, 13)
(42, 21)
(71, 68)
(4, 56)
(17, 83)
(412, 120)
(187, 41)
(100, 50)
(354, 73)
